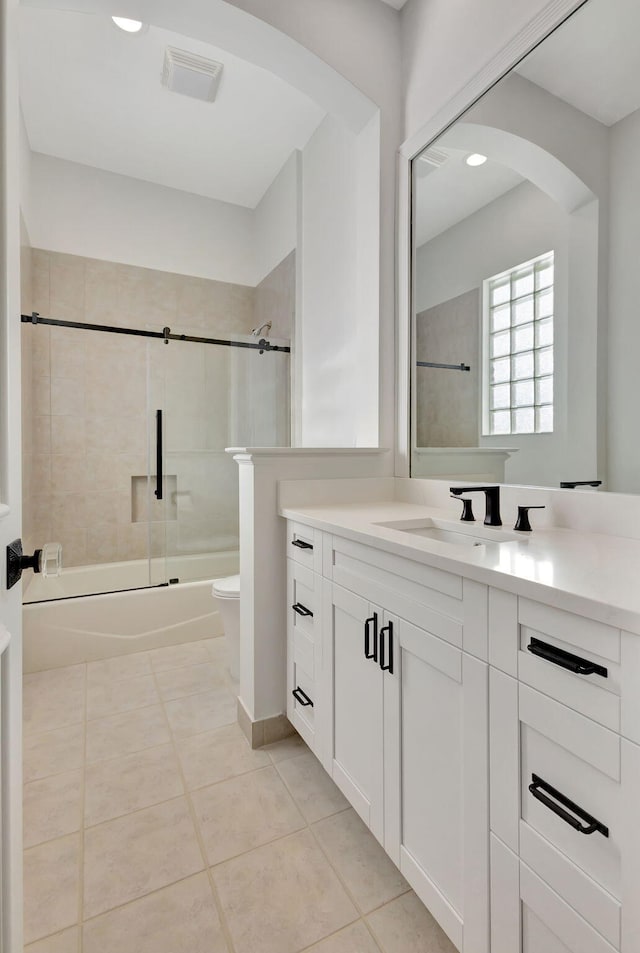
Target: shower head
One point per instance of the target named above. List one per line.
(263, 327)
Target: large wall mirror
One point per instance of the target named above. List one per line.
(526, 275)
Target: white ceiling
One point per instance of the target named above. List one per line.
(593, 60)
(396, 4)
(451, 192)
(92, 94)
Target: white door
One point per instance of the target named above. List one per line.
(10, 497)
(355, 735)
(436, 780)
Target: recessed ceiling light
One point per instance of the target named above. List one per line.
(476, 158)
(129, 26)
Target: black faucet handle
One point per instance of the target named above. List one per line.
(467, 511)
(522, 523)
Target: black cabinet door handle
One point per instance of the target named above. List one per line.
(386, 666)
(300, 543)
(302, 697)
(301, 610)
(159, 460)
(551, 653)
(367, 637)
(540, 789)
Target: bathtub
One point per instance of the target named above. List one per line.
(72, 625)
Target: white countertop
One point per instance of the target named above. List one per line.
(589, 573)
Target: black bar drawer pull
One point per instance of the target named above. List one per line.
(538, 787)
(551, 653)
(302, 697)
(301, 610)
(386, 666)
(367, 637)
(300, 543)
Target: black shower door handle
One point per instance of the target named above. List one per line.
(159, 477)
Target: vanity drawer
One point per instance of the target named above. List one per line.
(572, 659)
(570, 787)
(304, 545)
(301, 703)
(549, 925)
(528, 915)
(303, 600)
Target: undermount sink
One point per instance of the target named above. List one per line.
(451, 532)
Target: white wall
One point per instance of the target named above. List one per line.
(84, 211)
(624, 333)
(327, 334)
(25, 174)
(446, 44)
(275, 220)
(488, 242)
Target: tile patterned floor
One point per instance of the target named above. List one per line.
(151, 826)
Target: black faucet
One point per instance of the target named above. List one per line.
(492, 494)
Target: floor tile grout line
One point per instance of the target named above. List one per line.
(34, 734)
(309, 949)
(49, 777)
(174, 797)
(281, 760)
(144, 896)
(226, 932)
(312, 824)
(362, 913)
(126, 711)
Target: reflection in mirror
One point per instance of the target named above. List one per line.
(525, 250)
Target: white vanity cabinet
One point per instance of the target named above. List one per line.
(401, 720)
(490, 741)
(354, 694)
(565, 840)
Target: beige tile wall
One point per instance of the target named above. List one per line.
(448, 412)
(275, 298)
(87, 429)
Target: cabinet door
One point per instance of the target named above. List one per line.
(528, 916)
(355, 736)
(436, 780)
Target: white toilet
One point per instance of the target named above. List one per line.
(227, 592)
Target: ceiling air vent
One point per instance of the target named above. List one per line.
(430, 160)
(191, 75)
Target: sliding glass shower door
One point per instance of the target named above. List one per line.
(204, 398)
(128, 466)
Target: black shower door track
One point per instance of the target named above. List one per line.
(164, 335)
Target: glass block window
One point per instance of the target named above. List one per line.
(518, 349)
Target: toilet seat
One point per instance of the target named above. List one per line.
(227, 588)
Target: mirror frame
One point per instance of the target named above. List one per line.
(535, 32)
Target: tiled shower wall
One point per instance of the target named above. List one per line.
(87, 420)
(447, 400)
